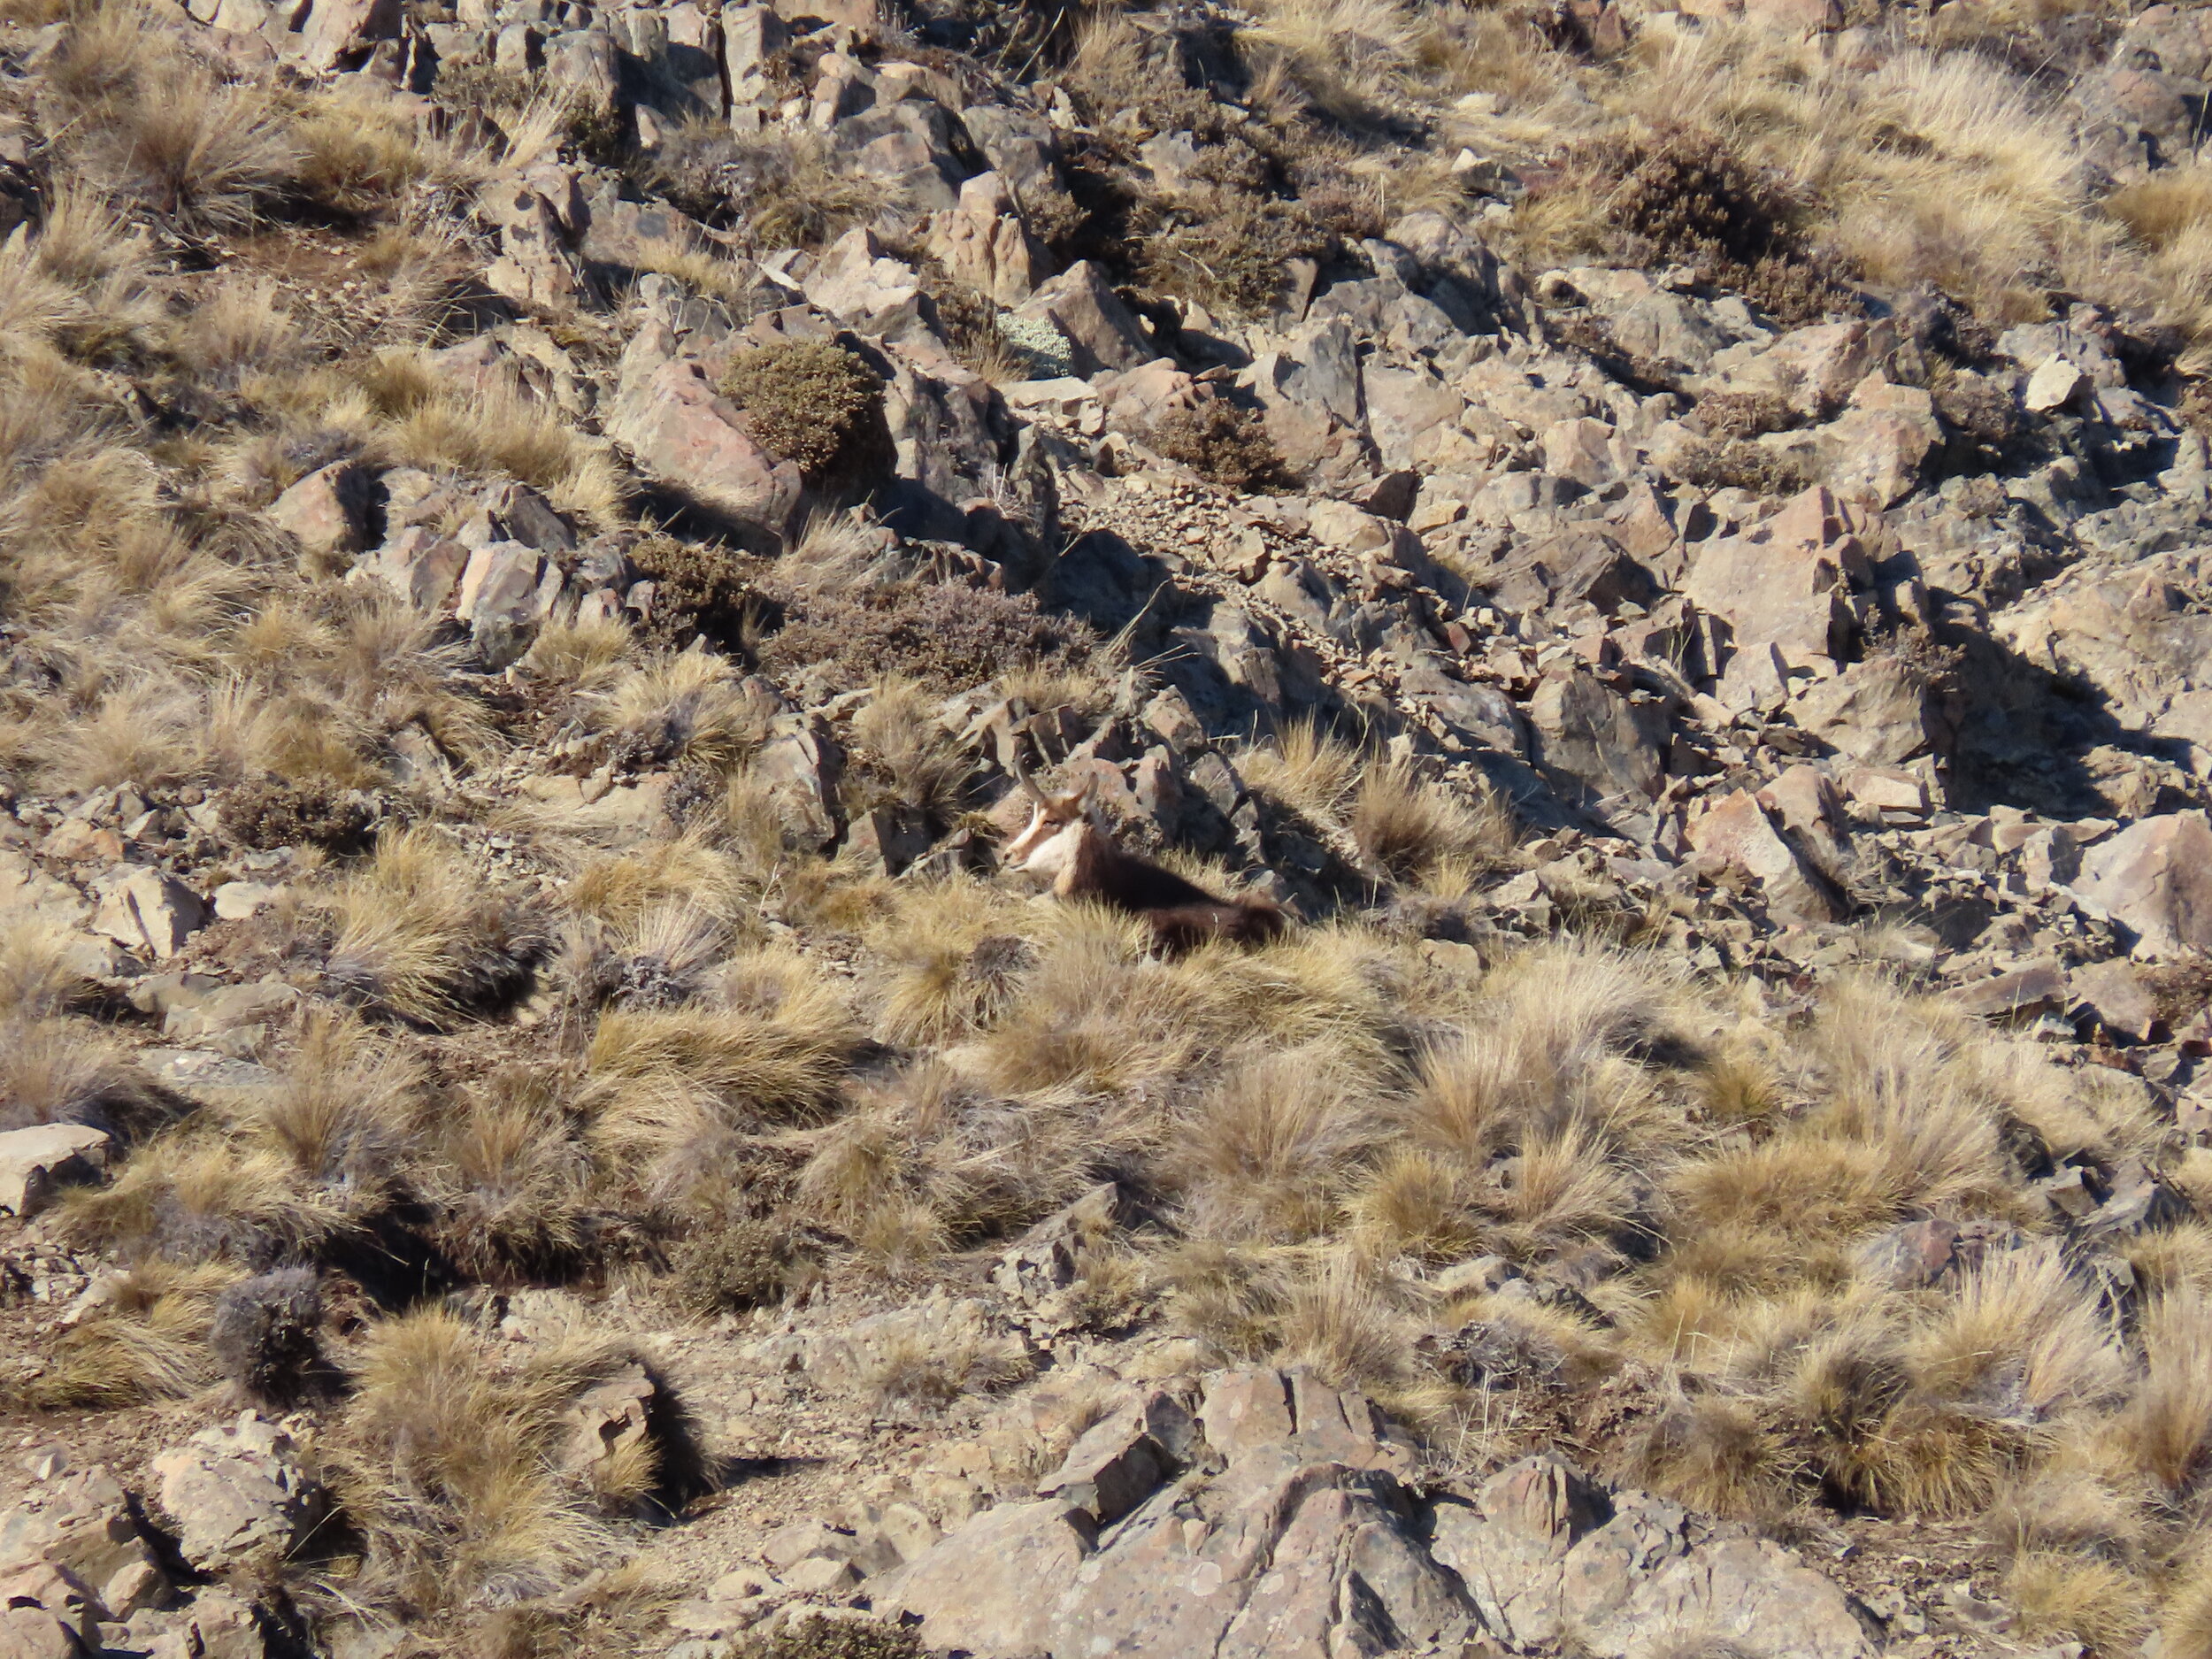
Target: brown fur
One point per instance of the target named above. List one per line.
(1182, 915)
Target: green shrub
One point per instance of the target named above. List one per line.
(701, 591)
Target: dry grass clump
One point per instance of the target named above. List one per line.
(505, 1172)
(1417, 831)
(54, 1069)
(813, 403)
(457, 1462)
(420, 934)
(417, 417)
(1269, 1151)
(146, 1339)
(902, 756)
(767, 1045)
(956, 954)
(685, 706)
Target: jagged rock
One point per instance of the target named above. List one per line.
(1881, 711)
(1733, 833)
(1547, 1553)
(2034, 989)
(685, 434)
(1784, 582)
(328, 512)
(990, 1587)
(81, 1523)
(2155, 877)
(419, 565)
(145, 910)
(1102, 332)
(2109, 991)
(35, 1163)
(984, 244)
(609, 1419)
(507, 592)
(1590, 734)
(1121, 1459)
(237, 1495)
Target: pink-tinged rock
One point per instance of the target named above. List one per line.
(327, 510)
(1784, 582)
(1876, 449)
(37, 1162)
(1734, 834)
(2121, 1001)
(1880, 711)
(1101, 330)
(419, 565)
(683, 433)
(506, 582)
(1806, 799)
(1886, 789)
(2155, 877)
(337, 30)
(991, 1587)
(984, 244)
(2033, 989)
(1581, 449)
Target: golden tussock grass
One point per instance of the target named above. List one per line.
(449, 1460)
(147, 1340)
(420, 933)
(769, 1045)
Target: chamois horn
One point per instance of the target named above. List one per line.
(1023, 781)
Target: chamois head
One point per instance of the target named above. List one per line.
(1058, 824)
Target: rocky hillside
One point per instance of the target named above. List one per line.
(546, 550)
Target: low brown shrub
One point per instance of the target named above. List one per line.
(1221, 443)
(271, 812)
(814, 403)
(701, 590)
(1739, 464)
(1729, 415)
(947, 637)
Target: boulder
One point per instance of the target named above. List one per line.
(145, 910)
(1881, 712)
(238, 1495)
(328, 512)
(419, 565)
(984, 244)
(1733, 833)
(990, 1587)
(1595, 735)
(2155, 877)
(35, 1163)
(685, 434)
(1102, 333)
(1546, 1555)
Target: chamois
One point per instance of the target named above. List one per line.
(1066, 842)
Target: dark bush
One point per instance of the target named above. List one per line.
(1221, 443)
(269, 812)
(948, 637)
(821, 1637)
(1683, 198)
(701, 591)
(814, 403)
(727, 1268)
(266, 1335)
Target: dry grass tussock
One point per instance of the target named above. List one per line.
(453, 1461)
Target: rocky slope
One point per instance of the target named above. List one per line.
(536, 538)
